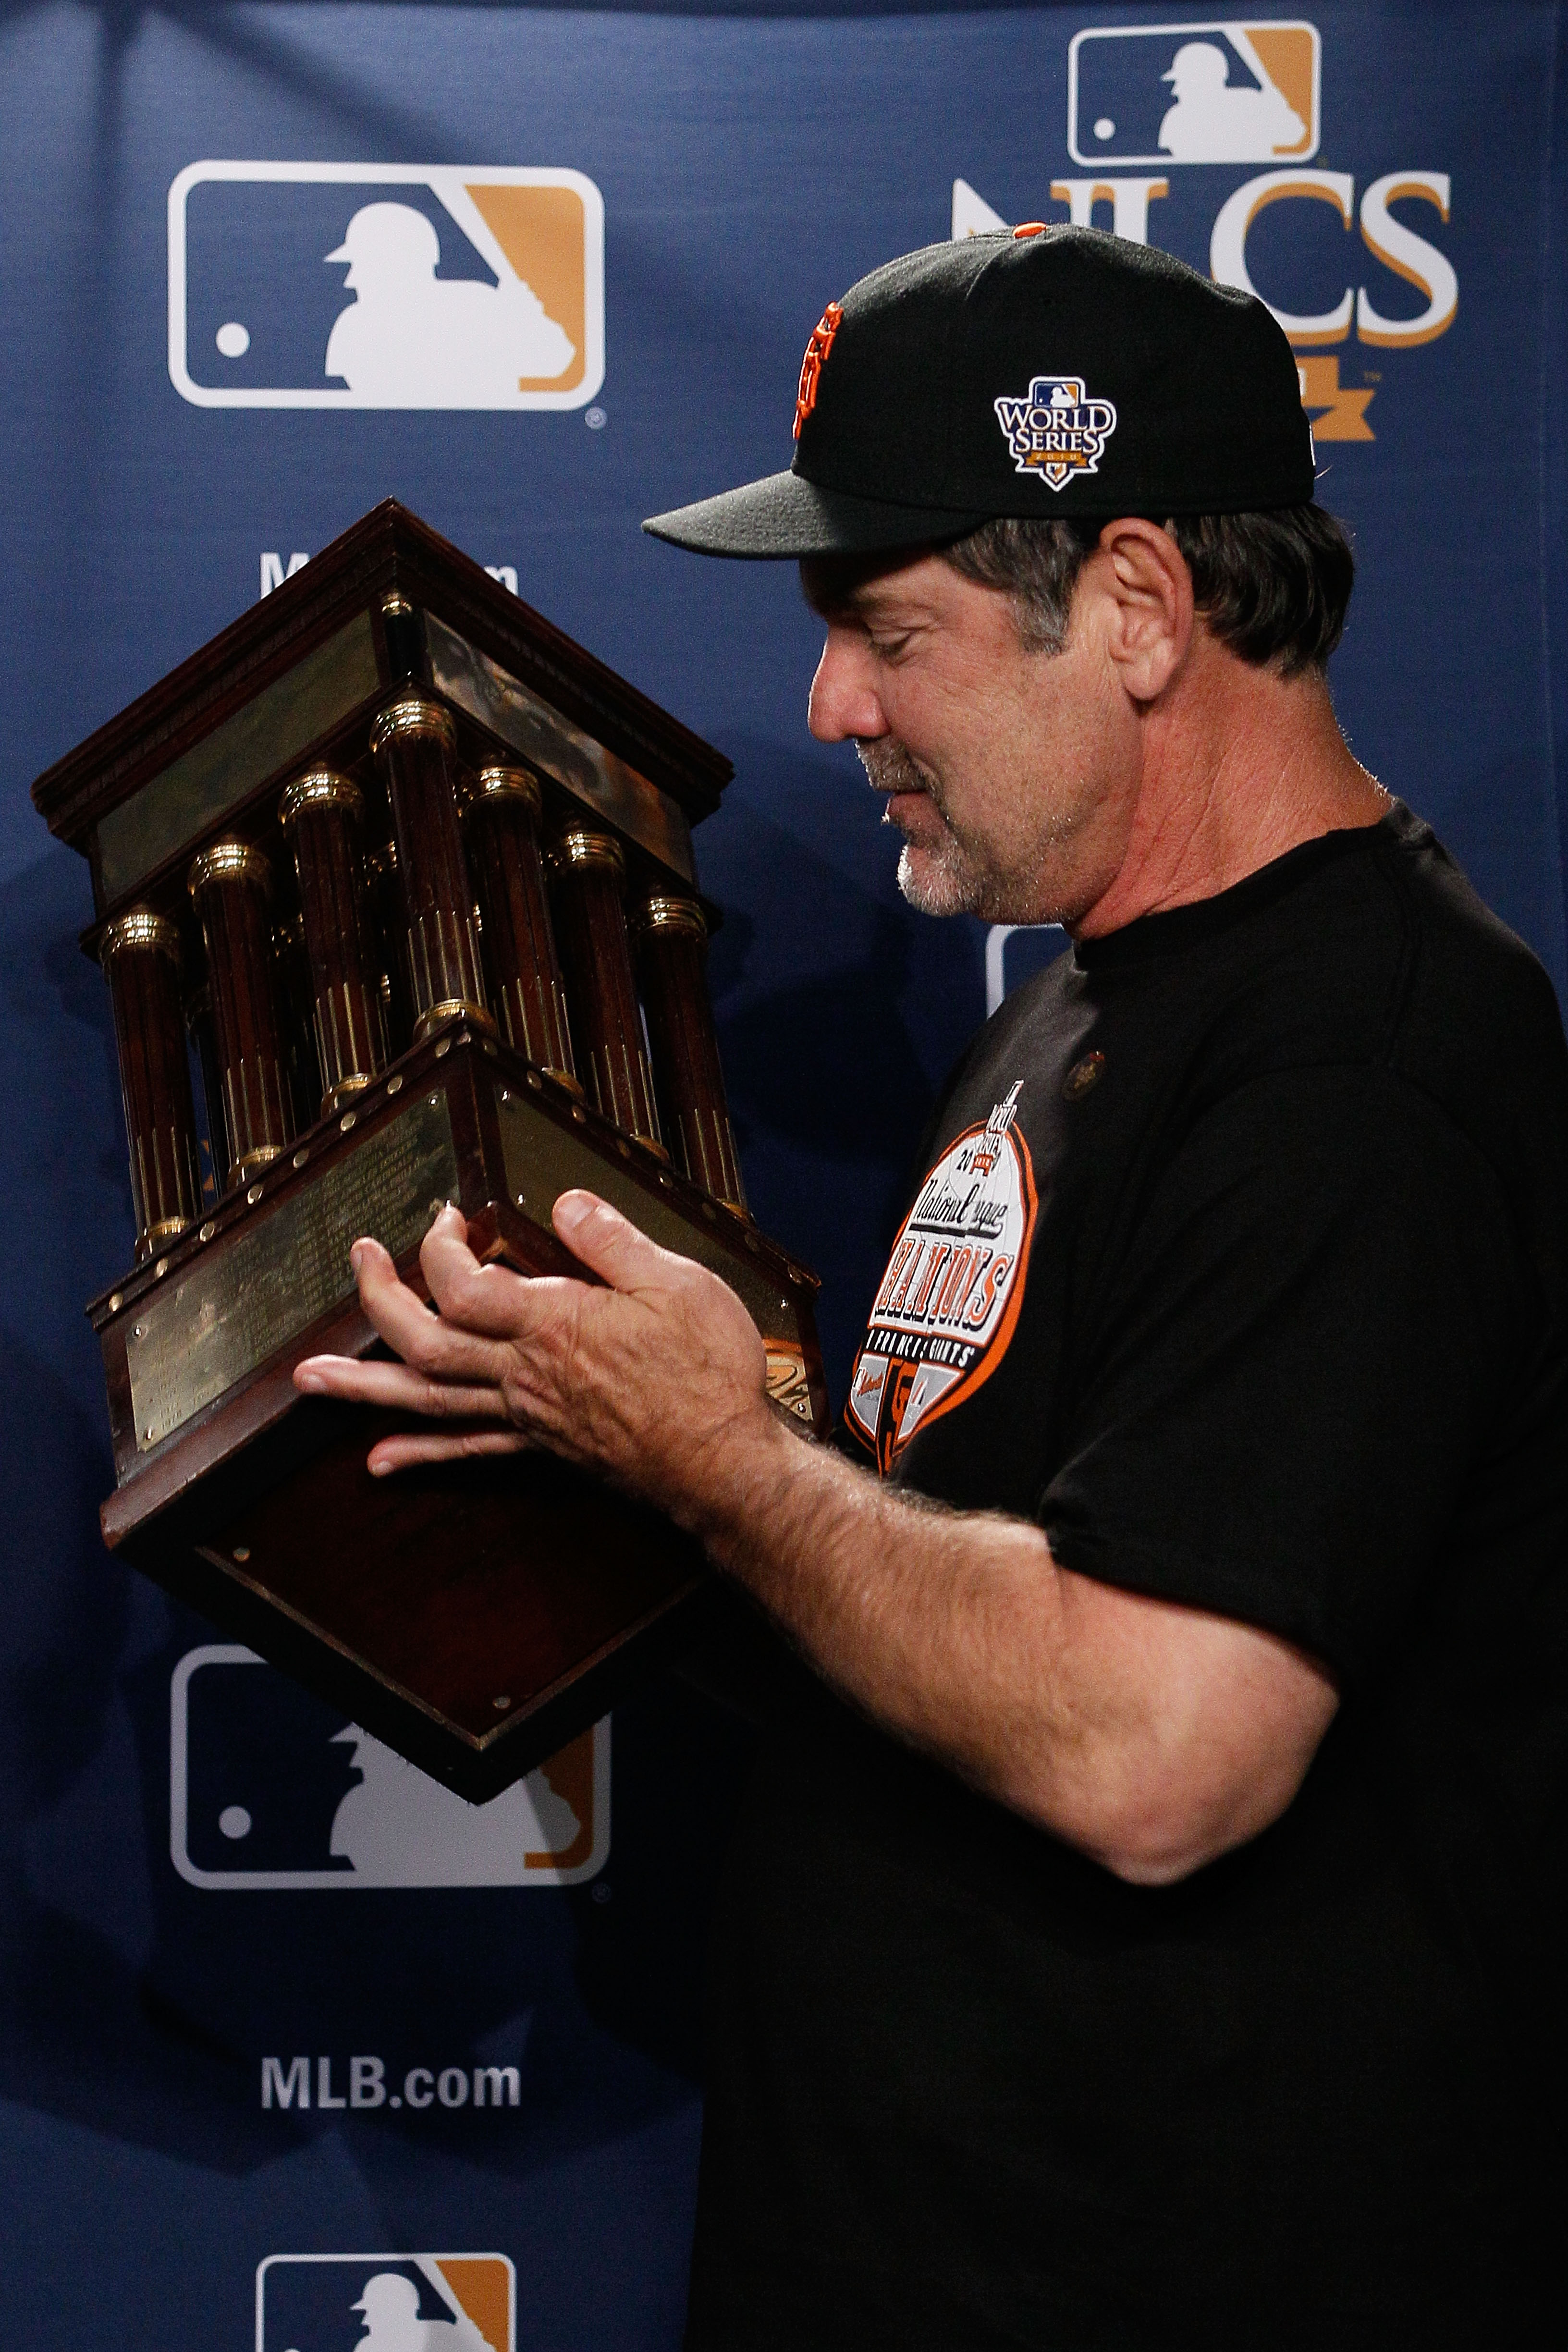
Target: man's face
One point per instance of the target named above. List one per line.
(1012, 774)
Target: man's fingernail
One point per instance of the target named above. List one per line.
(309, 1381)
(570, 1211)
(355, 1255)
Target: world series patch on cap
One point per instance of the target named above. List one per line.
(1038, 372)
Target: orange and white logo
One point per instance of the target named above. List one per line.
(949, 1298)
(386, 286)
(270, 1793)
(1218, 92)
(385, 2303)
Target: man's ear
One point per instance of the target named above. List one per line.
(1151, 590)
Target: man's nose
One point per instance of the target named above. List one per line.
(844, 700)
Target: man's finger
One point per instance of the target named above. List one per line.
(404, 1452)
(488, 1301)
(407, 1326)
(398, 1387)
(611, 1247)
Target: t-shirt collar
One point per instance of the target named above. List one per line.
(1174, 929)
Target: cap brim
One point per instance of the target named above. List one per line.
(785, 515)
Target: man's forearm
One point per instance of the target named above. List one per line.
(1090, 1711)
(923, 1617)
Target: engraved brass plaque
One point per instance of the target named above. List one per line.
(542, 1160)
(500, 702)
(226, 1314)
(172, 809)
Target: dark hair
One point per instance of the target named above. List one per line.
(1273, 587)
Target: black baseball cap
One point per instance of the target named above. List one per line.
(1041, 371)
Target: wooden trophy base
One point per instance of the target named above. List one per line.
(474, 1617)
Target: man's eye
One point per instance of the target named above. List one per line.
(888, 648)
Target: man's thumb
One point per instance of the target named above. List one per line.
(609, 1245)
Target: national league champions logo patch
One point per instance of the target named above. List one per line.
(954, 1282)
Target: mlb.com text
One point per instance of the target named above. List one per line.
(365, 2084)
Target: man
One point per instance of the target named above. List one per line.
(1138, 1928)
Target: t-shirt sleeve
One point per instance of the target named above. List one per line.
(1292, 1362)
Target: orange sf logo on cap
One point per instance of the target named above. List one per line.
(811, 366)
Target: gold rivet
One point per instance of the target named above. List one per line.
(161, 1266)
(535, 1081)
(394, 1086)
(502, 1703)
(350, 1118)
(579, 1114)
(506, 1094)
(138, 1330)
(208, 1231)
(115, 1302)
(300, 1158)
(431, 1101)
(444, 1047)
(242, 1553)
(253, 1194)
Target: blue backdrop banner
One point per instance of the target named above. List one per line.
(294, 2050)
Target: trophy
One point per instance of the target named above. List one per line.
(396, 904)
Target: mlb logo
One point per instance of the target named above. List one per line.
(386, 286)
(1208, 93)
(385, 2303)
(268, 1789)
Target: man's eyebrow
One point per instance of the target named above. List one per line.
(850, 600)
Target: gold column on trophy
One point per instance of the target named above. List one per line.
(140, 954)
(322, 814)
(230, 885)
(590, 887)
(414, 741)
(502, 824)
(671, 934)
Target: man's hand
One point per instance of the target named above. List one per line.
(654, 1379)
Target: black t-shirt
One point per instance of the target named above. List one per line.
(1237, 1261)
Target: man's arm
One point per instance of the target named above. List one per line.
(1150, 1736)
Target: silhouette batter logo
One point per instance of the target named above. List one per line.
(385, 286)
(385, 2303)
(1223, 92)
(268, 1789)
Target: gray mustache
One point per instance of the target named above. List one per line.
(890, 769)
